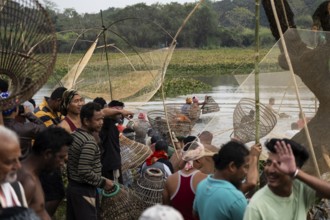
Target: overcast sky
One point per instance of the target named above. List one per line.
(90, 6)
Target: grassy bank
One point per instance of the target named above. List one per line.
(185, 65)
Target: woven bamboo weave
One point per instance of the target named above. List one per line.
(27, 49)
(179, 124)
(120, 204)
(133, 153)
(245, 129)
(149, 187)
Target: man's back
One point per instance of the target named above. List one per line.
(46, 114)
(266, 205)
(219, 199)
(33, 190)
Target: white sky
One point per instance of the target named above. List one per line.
(92, 6)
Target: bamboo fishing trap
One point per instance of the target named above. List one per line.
(180, 124)
(244, 120)
(120, 203)
(133, 153)
(149, 187)
(27, 49)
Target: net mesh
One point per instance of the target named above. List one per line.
(27, 49)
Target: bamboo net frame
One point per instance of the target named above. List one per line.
(27, 49)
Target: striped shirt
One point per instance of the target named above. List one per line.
(84, 162)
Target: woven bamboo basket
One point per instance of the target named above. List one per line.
(149, 187)
(27, 49)
(179, 124)
(193, 113)
(244, 128)
(120, 204)
(210, 105)
(133, 153)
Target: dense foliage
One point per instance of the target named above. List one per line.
(226, 23)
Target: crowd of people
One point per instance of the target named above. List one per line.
(65, 136)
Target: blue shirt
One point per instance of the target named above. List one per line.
(219, 199)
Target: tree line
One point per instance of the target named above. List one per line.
(226, 23)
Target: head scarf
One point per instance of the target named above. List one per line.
(195, 151)
(66, 99)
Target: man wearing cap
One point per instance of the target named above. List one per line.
(218, 196)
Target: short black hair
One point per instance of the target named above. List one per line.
(32, 102)
(188, 139)
(87, 110)
(53, 138)
(58, 93)
(128, 130)
(232, 151)
(300, 153)
(161, 146)
(155, 138)
(4, 85)
(100, 101)
(116, 103)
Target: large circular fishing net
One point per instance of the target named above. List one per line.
(244, 120)
(27, 49)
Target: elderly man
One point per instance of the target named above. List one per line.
(11, 192)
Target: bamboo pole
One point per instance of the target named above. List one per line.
(256, 71)
(106, 54)
(285, 49)
(164, 70)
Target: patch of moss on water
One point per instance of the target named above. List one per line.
(182, 86)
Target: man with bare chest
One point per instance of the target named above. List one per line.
(48, 153)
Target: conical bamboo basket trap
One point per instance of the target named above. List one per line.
(133, 153)
(27, 49)
(149, 187)
(210, 105)
(120, 204)
(245, 130)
